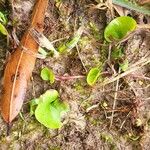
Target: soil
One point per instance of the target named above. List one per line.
(87, 124)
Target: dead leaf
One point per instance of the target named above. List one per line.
(20, 66)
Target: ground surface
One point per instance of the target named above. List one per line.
(87, 125)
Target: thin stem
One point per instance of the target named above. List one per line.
(60, 78)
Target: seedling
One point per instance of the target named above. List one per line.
(92, 76)
(49, 109)
(48, 75)
(118, 28)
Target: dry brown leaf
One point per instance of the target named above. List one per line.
(20, 66)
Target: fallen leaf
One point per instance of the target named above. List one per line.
(20, 66)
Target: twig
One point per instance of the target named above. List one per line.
(115, 99)
(133, 68)
(109, 53)
(140, 77)
(143, 26)
(124, 121)
(81, 58)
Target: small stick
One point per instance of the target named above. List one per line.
(115, 99)
(81, 58)
(133, 68)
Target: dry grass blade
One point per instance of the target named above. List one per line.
(114, 104)
(130, 70)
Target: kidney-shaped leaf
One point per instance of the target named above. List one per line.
(48, 116)
(49, 109)
(61, 106)
(48, 75)
(92, 76)
(49, 96)
(119, 28)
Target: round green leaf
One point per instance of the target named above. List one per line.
(49, 96)
(45, 74)
(48, 75)
(119, 28)
(92, 76)
(49, 109)
(45, 113)
(61, 106)
(48, 116)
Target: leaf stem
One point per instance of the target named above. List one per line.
(60, 78)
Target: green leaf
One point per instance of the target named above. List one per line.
(49, 96)
(124, 66)
(49, 109)
(3, 30)
(71, 43)
(48, 75)
(48, 116)
(92, 76)
(61, 106)
(118, 28)
(45, 113)
(3, 18)
(33, 104)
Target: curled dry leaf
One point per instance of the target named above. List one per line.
(20, 66)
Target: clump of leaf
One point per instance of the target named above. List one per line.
(93, 76)
(3, 22)
(49, 109)
(118, 28)
(48, 75)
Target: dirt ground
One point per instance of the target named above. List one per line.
(88, 124)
